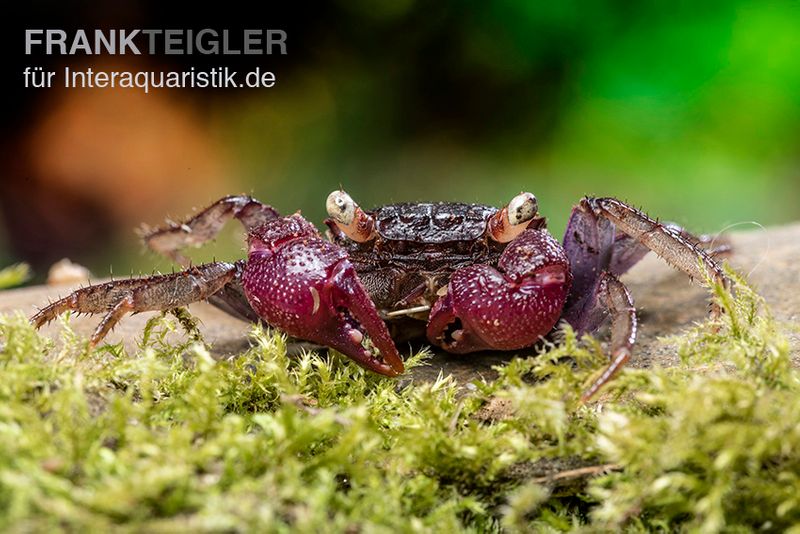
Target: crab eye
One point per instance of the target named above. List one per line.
(522, 208)
(341, 207)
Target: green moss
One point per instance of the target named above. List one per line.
(14, 275)
(168, 439)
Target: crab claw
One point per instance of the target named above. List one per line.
(307, 287)
(506, 308)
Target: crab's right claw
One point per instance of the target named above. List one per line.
(308, 288)
(357, 318)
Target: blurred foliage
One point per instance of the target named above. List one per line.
(689, 110)
(14, 275)
(168, 439)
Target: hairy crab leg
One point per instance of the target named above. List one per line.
(604, 239)
(117, 311)
(668, 243)
(232, 300)
(611, 296)
(205, 225)
(627, 251)
(714, 246)
(151, 293)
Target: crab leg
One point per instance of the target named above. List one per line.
(612, 297)
(604, 239)
(665, 241)
(118, 310)
(627, 251)
(204, 226)
(714, 246)
(152, 293)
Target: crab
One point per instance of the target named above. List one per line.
(470, 277)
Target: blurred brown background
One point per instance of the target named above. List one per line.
(691, 111)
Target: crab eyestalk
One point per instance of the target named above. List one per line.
(349, 217)
(512, 220)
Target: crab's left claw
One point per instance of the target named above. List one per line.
(505, 308)
(307, 287)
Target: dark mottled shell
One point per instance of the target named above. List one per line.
(439, 222)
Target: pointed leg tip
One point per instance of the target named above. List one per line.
(586, 397)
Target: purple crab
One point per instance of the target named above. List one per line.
(469, 277)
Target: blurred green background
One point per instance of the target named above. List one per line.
(690, 110)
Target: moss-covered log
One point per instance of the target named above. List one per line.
(162, 435)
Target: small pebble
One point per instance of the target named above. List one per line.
(64, 272)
